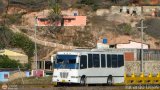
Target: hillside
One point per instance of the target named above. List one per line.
(118, 28)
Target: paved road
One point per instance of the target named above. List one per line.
(31, 87)
(99, 87)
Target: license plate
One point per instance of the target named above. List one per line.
(63, 80)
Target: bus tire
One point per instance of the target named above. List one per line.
(109, 80)
(83, 81)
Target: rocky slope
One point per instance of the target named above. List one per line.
(98, 26)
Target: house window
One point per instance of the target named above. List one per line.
(5, 76)
(127, 11)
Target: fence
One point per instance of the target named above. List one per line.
(142, 79)
(149, 54)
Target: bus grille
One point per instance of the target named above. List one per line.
(64, 74)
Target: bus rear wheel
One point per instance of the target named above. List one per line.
(109, 80)
(83, 81)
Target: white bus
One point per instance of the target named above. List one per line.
(89, 67)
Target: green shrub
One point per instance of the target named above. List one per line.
(92, 3)
(87, 2)
(32, 5)
(55, 12)
(5, 37)
(6, 62)
(94, 7)
(13, 18)
(22, 41)
(10, 39)
(1, 5)
(125, 29)
(152, 27)
(83, 39)
(2, 46)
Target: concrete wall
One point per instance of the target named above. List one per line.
(149, 66)
(22, 58)
(16, 74)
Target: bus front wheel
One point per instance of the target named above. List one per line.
(109, 80)
(83, 81)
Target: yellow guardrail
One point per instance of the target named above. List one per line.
(142, 79)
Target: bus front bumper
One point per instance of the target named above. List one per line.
(65, 80)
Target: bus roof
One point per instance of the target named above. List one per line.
(81, 51)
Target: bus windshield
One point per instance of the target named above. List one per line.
(66, 62)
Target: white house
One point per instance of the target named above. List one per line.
(132, 44)
(126, 9)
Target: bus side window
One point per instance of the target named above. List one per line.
(90, 63)
(83, 62)
(120, 60)
(114, 61)
(96, 60)
(103, 60)
(109, 61)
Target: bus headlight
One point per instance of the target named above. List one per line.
(74, 76)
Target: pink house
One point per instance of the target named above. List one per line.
(73, 21)
(66, 21)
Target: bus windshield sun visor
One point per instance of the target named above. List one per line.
(66, 57)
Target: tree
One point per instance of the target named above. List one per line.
(125, 29)
(114, 1)
(55, 16)
(21, 41)
(55, 13)
(6, 62)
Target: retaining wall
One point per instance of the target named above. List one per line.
(149, 66)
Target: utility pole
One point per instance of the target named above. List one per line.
(21, 75)
(142, 29)
(35, 36)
